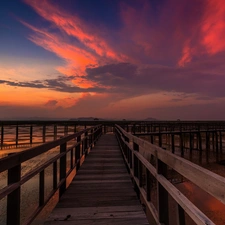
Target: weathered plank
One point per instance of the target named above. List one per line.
(101, 192)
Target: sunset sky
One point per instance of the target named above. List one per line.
(112, 59)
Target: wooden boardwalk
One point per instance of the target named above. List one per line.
(101, 192)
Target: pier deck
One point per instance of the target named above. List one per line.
(101, 192)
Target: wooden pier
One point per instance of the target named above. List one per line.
(101, 192)
(106, 163)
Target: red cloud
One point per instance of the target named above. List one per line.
(207, 33)
(213, 26)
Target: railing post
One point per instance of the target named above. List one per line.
(65, 129)
(152, 139)
(41, 188)
(13, 199)
(86, 143)
(190, 143)
(55, 132)
(181, 145)
(200, 146)
(172, 143)
(17, 134)
(43, 133)
(77, 153)
(160, 139)
(180, 215)
(207, 146)
(126, 149)
(55, 175)
(140, 173)
(71, 159)
(163, 208)
(104, 129)
(90, 139)
(62, 169)
(31, 134)
(136, 148)
(217, 146)
(136, 168)
(75, 129)
(2, 135)
(95, 135)
(148, 185)
(221, 141)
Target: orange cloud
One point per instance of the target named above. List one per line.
(90, 49)
(213, 27)
(24, 96)
(74, 26)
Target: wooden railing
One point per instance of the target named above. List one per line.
(137, 153)
(29, 133)
(84, 141)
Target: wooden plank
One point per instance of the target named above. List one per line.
(101, 192)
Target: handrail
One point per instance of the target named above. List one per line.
(20, 157)
(85, 140)
(19, 134)
(135, 151)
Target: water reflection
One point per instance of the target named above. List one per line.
(209, 205)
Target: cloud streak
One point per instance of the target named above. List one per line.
(60, 84)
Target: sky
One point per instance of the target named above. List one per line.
(117, 59)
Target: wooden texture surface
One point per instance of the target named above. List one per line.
(101, 192)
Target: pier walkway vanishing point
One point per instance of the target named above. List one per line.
(101, 192)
